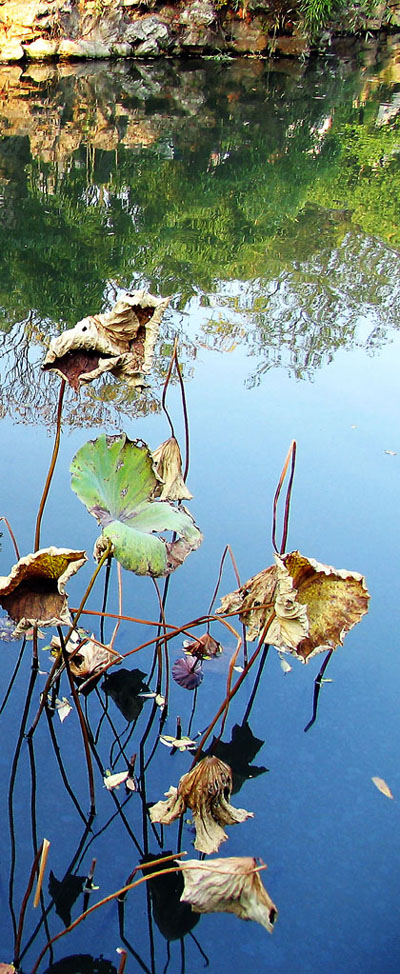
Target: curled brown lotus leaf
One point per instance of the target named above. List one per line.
(168, 467)
(89, 656)
(314, 605)
(33, 593)
(203, 647)
(230, 885)
(206, 791)
(253, 601)
(120, 341)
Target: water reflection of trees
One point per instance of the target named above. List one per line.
(298, 318)
(197, 181)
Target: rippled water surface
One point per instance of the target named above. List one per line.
(264, 199)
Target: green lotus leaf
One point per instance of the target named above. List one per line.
(115, 478)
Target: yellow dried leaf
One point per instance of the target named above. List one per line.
(314, 605)
(168, 467)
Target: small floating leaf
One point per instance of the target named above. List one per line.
(115, 780)
(285, 666)
(381, 785)
(180, 743)
(63, 708)
(187, 673)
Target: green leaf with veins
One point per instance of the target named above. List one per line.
(115, 478)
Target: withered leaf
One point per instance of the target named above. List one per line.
(230, 885)
(206, 791)
(33, 594)
(205, 646)
(120, 341)
(90, 657)
(178, 743)
(381, 785)
(314, 605)
(168, 466)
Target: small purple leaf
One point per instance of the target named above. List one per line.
(188, 674)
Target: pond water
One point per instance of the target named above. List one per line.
(264, 199)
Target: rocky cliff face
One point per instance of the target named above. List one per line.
(43, 29)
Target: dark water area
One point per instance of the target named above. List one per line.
(264, 199)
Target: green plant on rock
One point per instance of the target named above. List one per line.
(317, 13)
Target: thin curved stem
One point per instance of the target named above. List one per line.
(51, 468)
(12, 536)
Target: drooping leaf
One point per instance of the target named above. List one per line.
(206, 791)
(313, 605)
(168, 465)
(125, 688)
(188, 673)
(205, 646)
(381, 785)
(228, 885)
(33, 594)
(121, 341)
(114, 477)
(89, 656)
(173, 917)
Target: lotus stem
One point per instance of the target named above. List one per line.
(82, 722)
(24, 905)
(51, 468)
(290, 456)
(317, 690)
(12, 536)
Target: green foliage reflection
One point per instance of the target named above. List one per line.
(180, 179)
